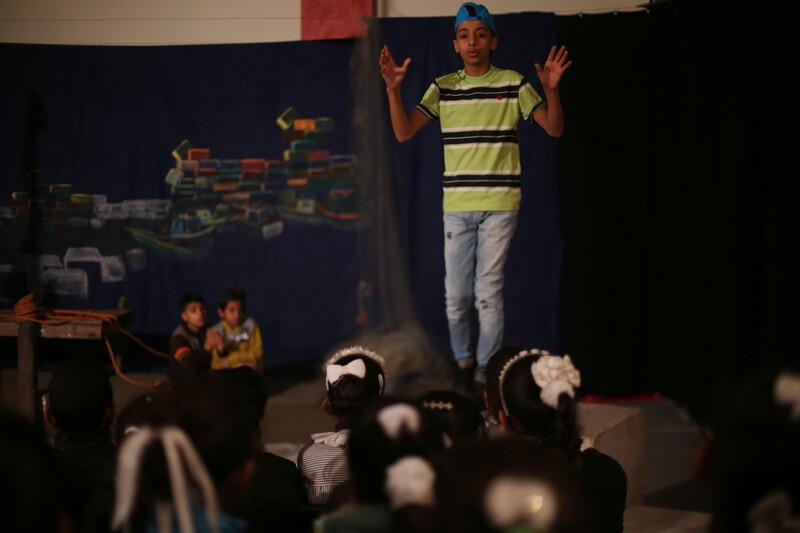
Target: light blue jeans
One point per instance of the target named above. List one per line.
(475, 250)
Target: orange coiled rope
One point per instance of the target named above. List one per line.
(27, 310)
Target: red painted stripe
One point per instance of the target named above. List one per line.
(333, 19)
(600, 398)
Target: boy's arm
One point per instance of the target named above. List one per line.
(551, 117)
(192, 360)
(404, 126)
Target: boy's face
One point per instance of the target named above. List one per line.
(194, 315)
(232, 314)
(474, 43)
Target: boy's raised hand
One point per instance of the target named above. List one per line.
(554, 68)
(392, 74)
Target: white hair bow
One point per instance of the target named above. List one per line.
(333, 373)
(394, 417)
(555, 375)
(409, 481)
(787, 392)
(509, 501)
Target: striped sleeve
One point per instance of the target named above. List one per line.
(429, 105)
(529, 100)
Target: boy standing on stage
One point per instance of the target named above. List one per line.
(478, 108)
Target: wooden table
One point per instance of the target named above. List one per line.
(28, 334)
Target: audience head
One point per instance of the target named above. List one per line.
(29, 492)
(755, 455)
(537, 399)
(80, 397)
(193, 311)
(455, 415)
(203, 429)
(354, 378)
(138, 413)
(506, 484)
(231, 306)
(383, 435)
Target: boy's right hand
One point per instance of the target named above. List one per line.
(214, 340)
(391, 73)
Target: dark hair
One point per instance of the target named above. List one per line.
(190, 298)
(370, 450)
(216, 425)
(30, 492)
(139, 412)
(454, 414)
(248, 384)
(493, 369)
(754, 452)
(461, 489)
(79, 394)
(528, 415)
(230, 294)
(350, 394)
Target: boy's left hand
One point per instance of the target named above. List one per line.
(554, 68)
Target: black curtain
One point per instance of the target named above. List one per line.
(680, 192)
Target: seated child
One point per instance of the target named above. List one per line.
(31, 491)
(191, 343)
(534, 397)
(753, 460)
(504, 484)
(189, 465)
(275, 495)
(454, 414)
(354, 377)
(80, 408)
(240, 334)
(392, 455)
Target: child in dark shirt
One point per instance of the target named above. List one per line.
(191, 343)
(81, 409)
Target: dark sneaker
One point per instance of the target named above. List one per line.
(464, 383)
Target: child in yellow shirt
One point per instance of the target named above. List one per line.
(241, 335)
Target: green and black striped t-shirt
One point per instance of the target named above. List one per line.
(479, 119)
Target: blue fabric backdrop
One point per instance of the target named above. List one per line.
(105, 120)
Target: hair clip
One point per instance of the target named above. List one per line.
(438, 406)
(397, 416)
(521, 355)
(409, 481)
(510, 501)
(334, 373)
(356, 350)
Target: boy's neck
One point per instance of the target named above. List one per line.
(476, 71)
(192, 328)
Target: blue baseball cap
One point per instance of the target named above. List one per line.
(473, 11)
